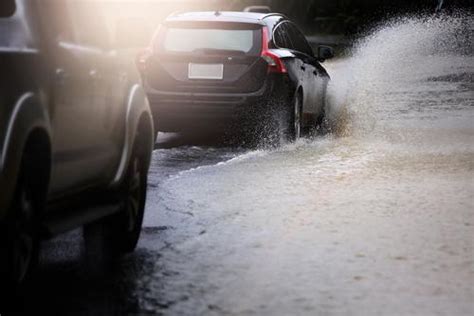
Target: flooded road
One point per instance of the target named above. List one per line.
(374, 218)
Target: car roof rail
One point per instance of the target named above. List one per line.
(258, 9)
(273, 14)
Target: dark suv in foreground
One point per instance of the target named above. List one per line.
(241, 69)
(76, 134)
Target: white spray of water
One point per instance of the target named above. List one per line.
(386, 71)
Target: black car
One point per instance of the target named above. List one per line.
(76, 134)
(240, 69)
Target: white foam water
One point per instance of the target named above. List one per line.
(407, 65)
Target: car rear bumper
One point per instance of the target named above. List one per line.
(181, 111)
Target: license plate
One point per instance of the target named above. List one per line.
(206, 71)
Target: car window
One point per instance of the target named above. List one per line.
(7, 8)
(55, 21)
(189, 40)
(176, 39)
(282, 38)
(15, 30)
(299, 41)
(89, 24)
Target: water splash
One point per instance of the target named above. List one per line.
(387, 70)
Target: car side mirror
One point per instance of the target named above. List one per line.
(324, 52)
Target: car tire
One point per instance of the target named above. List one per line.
(295, 119)
(118, 234)
(128, 222)
(20, 237)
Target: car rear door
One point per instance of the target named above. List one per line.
(211, 57)
(68, 93)
(312, 81)
(78, 151)
(105, 113)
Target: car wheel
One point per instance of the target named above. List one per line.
(21, 240)
(321, 124)
(130, 219)
(118, 234)
(295, 119)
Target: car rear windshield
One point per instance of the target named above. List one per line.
(210, 40)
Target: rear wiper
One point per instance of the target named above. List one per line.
(216, 51)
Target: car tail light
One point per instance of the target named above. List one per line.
(142, 58)
(275, 64)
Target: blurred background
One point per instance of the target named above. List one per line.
(336, 22)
